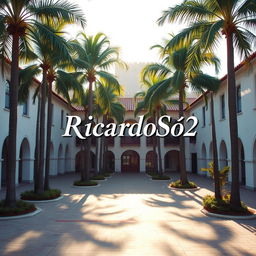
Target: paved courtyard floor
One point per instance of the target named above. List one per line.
(128, 214)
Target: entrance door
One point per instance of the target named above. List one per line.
(194, 162)
(130, 161)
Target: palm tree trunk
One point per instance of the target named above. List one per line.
(235, 186)
(154, 142)
(183, 172)
(89, 139)
(36, 163)
(215, 154)
(10, 199)
(48, 138)
(97, 152)
(104, 146)
(40, 188)
(159, 148)
(101, 154)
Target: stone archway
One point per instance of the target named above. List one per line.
(204, 157)
(60, 160)
(130, 161)
(67, 159)
(4, 165)
(110, 164)
(172, 161)
(151, 161)
(242, 170)
(223, 155)
(24, 161)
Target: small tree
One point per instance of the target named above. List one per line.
(223, 174)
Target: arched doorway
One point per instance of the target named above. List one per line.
(81, 162)
(110, 164)
(67, 159)
(241, 163)
(130, 161)
(24, 162)
(52, 169)
(210, 157)
(4, 166)
(172, 161)
(60, 159)
(151, 161)
(223, 155)
(203, 157)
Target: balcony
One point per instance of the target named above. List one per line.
(149, 141)
(171, 141)
(130, 141)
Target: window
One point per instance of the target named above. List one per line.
(238, 99)
(222, 106)
(203, 116)
(7, 96)
(25, 108)
(62, 119)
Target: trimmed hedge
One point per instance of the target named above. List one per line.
(46, 195)
(107, 174)
(178, 184)
(160, 177)
(223, 206)
(21, 208)
(98, 177)
(85, 183)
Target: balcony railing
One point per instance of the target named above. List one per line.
(130, 141)
(171, 141)
(149, 141)
(80, 142)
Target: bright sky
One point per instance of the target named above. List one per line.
(131, 25)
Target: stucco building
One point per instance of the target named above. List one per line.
(135, 154)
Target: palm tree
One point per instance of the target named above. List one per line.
(93, 57)
(47, 63)
(178, 76)
(107, 99)
(18, 18)
(210, 20)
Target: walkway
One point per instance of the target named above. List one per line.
(128, 214)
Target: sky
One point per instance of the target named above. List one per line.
(131, 25)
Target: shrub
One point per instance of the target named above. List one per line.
(21, 208)
(223, 206)
(178, 184)
(85, 183)
(46, 195)
(107, 174)
(98, 177)
(160, 177)
(223, 174)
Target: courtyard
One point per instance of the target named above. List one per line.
(128, 214)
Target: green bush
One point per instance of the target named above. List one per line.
(21, 208)
(223, 206)
(46, 195)
(98, 177)
(160, 177)
(85, 183)
(151, 173)
(178, 184)
(107, 174)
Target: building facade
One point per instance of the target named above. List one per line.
(135, 154)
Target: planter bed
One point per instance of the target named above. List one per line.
(21, 208)
(48, 195)
(189, 186)
(89, 183)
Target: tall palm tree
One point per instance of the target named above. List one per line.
(210, 20)
(107, 99)
(179, 75)
(18, 18)
(94, 57)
